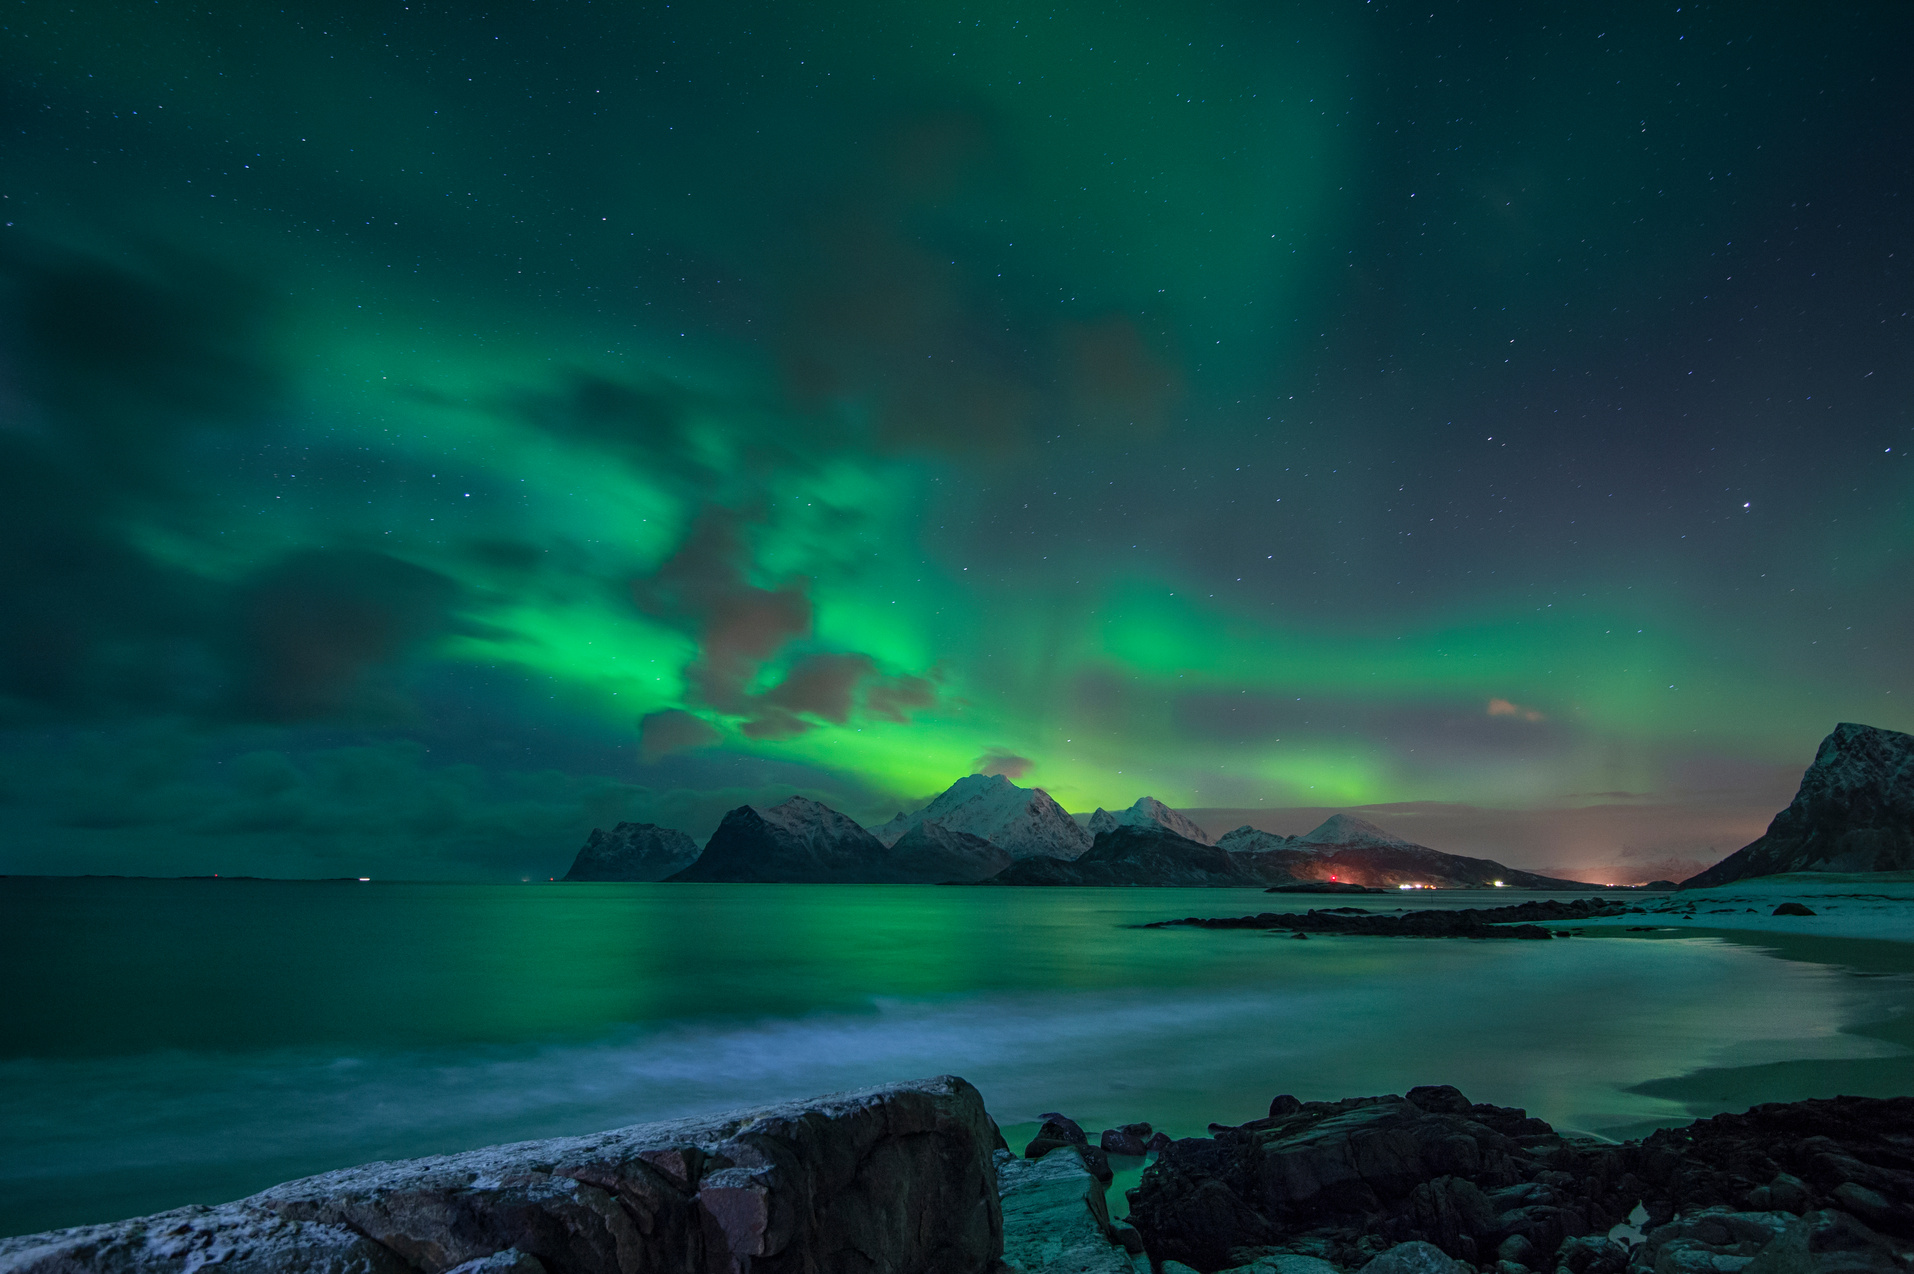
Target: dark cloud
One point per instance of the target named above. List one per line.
(999, 761)
(704, 588)
(317, 624)
(897, 309)
(674, 730)
(116, 375)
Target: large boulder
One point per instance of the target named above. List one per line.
(898, 1179)
(1854, 811)
(633, 851)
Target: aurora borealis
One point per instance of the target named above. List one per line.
(428, 432)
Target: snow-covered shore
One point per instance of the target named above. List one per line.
(1845, 905)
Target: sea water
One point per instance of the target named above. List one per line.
(174, 1041)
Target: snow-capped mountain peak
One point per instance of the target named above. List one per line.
(1021, 820)
(1346, 829)
(1146, 812)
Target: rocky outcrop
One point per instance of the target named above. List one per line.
(1056, 1220)
(1348, 850)
(1148, 811)
(798, 842)
(1830, 1181)
(933, 854)
(1023, 821)
(1854, 811)
(1149, 855)
(1523, 920)
(898, 1179)
(633, 851)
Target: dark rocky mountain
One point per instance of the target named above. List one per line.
(633, 851)
(1350, 850)
(1854, 811)
(1145, 855)
(798, 842)
(933, 854)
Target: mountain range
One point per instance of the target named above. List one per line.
(985, 828)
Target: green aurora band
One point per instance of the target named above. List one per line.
(429, 433)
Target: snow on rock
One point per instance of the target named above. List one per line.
(1146, 811)
(1024, 821)
(1340, 830)
(1250, 840)
(1854, 812)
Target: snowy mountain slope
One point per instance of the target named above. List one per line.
(1022, 820)
(1147, 811)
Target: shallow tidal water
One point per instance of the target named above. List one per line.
(167, 1041)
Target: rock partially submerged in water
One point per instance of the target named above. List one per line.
(1056, 1220)
(1813, 1187)
(899, 1178)
(1519, 921)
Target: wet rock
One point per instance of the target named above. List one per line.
(1129, 1139)
(1157, 1142)
(1057, 1131)
(1793, 909)
(895, 1178)
(1826, 1243)
(1055, 1218)
(1416, 1258)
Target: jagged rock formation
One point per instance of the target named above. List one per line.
(633, 851)
(798, 842)
(1056, 1219)
(1149, 855)
(1523, 920)
(896, 1179)
(931, 853)
(1147, 811)
(1350, 850)
(1023, 821)
(1854, 811)
(1832, 1181)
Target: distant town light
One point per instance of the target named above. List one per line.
(363, 879)
(1498, 884)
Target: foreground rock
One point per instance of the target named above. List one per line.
(1145, 855)
(1819, 1186)
(1057, 1221)
(1022, 821)
(1349, 850)
(1523, 920)
(1854, 811)
(633, 851)
(897, 1179)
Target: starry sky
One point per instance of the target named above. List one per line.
(427, 432)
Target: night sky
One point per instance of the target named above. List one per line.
(426, 433)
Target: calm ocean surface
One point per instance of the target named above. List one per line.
(166, 1042)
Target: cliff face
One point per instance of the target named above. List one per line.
(890, 1179)
(633, 851)
(1854, 811)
